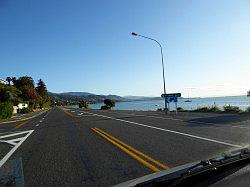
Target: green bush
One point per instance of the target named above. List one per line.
(202, 109)
(110, 103)
(208, 109)
(248, 110)
(231, 109)
(6, 110)
(24, 110)
(83, 104)
(105, 107)
(215, 109)
(180, 109)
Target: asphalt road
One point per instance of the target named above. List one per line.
(60, 146)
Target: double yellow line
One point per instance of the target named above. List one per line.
(68, 113)
(21, 124)
(139, 156)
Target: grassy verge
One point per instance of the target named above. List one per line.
(214, 109)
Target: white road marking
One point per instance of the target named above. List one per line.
(241, 127)
(40, 121)
(8, 155)
(12, 142)
(171, 131)
(174, 119)
(37, 125)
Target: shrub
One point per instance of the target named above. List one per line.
(215, 109)
(202, 109)
(105, 107)
(159, 109)
(231, 109)
(6, 110)
(180, 109)
(248, 109)
(110, 103)
(208, 109)
(24, 110)
(83, 104)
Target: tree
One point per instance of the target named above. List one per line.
(83, 104)
(8, 79)
(23, 82)
(41, 88)
(13, 79)
(110, 103)
(248, 93)
(26, 85)
(43, 99)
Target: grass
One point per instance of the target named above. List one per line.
(208, 109)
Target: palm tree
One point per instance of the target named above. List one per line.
(8, 79)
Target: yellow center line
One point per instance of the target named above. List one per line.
(21, 124)
(68, 113)
(135, 151)
(139, 159)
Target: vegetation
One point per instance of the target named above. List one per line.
(226, 109)
(83, 104)
(105, 107)
(180, 109)
(22, 90)
(6, 110)
(248, 110)
(108, 104)
(231, 109)
(208, 109)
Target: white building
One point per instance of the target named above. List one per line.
(19, 107)
(3, 81)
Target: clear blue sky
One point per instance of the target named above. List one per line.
(84, 45)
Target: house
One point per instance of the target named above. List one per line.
(20, 106)
(3, 81)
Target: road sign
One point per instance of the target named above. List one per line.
(171, 99)
(171, 95)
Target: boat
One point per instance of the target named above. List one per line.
(188, 100)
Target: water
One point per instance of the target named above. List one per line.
(241, 101)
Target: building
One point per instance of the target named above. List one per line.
(19, 107)
(3, 81)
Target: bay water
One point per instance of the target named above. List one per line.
(241, 101)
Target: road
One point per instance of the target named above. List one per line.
(75, 147)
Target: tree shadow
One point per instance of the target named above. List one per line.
(223, 119)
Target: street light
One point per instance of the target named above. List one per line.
(162, 63)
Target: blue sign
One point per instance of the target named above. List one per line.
(171, 99)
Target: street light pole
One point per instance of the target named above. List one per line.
(162, 64)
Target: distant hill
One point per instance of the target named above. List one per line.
(139, 98)
(94, 98)
(75, 93)
(76, 96)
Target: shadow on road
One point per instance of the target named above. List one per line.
(223, 119)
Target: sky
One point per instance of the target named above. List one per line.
(86, 45)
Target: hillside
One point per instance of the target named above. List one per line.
(89, 97)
